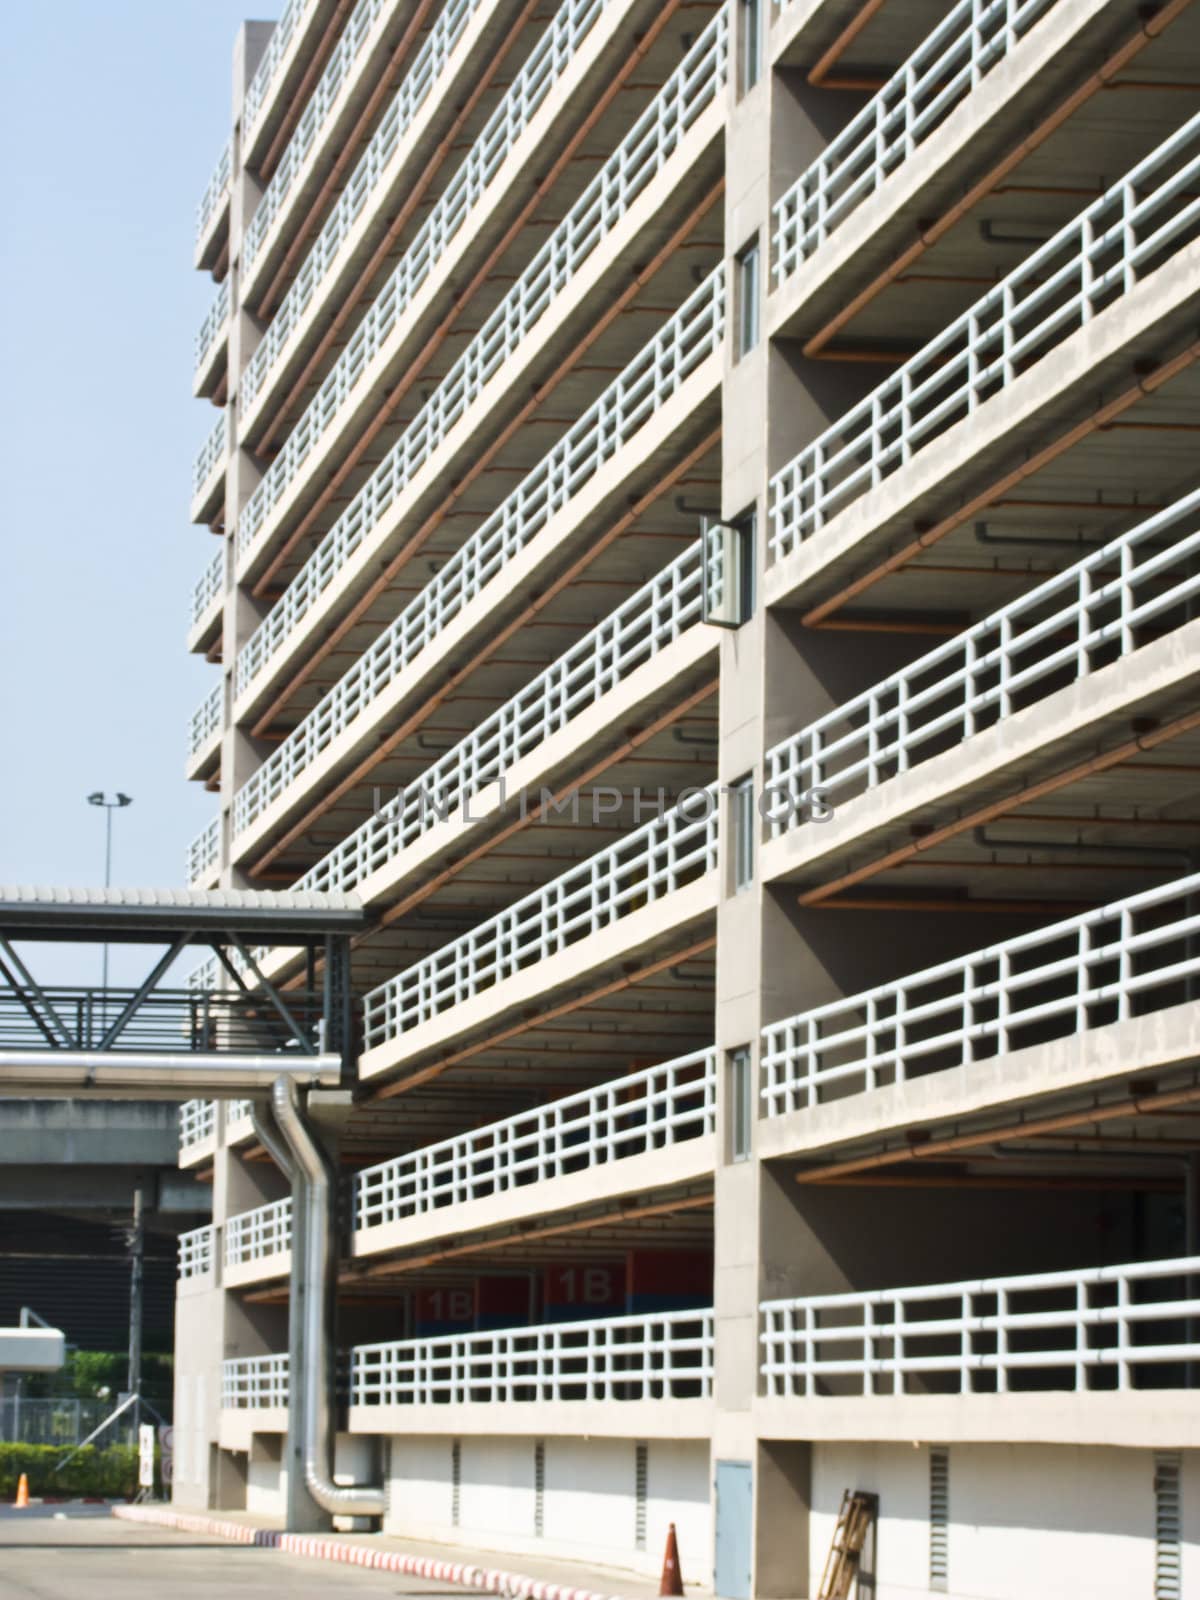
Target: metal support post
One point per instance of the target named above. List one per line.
(137, 1243)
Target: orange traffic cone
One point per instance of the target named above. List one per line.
(672, 1579)
(22, 1500)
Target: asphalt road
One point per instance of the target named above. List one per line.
(84, 1553)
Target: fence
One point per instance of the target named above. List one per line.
(197, 1249)
(211, 455)
(333, 79)
(205, 721)
(250, 1383)
(629, 1116)
(1093, 613)
(62, 1421)
(971, 40)
(641, 155)
(550, 57)
(265, 1231)
(1122, 960)
(213, 326)
(1125, 1327)
(214, 195)
(197, 1122)
(259, 89)
(427, 67)
(642, 626)
(209, 587)
(646, 865)
(203, 852)
(619, 1358)
(1087, 267)
(638, 393)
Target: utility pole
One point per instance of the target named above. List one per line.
(137, 1246)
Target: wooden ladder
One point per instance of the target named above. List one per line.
(853, 1524)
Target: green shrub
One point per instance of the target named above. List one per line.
(108, 1472)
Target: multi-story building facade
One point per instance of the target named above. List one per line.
(708, 549)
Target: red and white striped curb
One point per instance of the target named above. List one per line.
(513, 1585)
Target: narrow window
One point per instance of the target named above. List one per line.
(455, 1482)
(751, 35)
(728, 575)
(742, 803)
(741, 1108)
(641, 1473)
(539, 1489)
(1168, 1527)
(939, 1518)
(747, 291)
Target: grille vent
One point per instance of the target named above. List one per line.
(1168, 1527)
(939, 1517)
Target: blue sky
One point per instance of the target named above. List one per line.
(112, 116)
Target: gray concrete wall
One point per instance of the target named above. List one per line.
(92, 1133)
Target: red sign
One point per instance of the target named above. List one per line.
(589, 1289)
(445, 1311)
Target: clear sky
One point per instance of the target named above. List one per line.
(112, 116)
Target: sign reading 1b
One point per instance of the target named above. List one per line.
(578, 1293)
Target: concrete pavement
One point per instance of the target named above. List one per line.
(84, 1553)
(468, 1569)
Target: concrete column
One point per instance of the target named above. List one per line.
(776, 676)
(240, 755)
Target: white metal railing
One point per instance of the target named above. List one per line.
(197, 1122)
(237, 1110)
(645, 624)
(646, 865)
(641, 155)
(204, 852)
(974, 37)
(1142, 221)
(1059, 632)
(1122, 960)
(265, 1231)
(312, 119)
(259, 88)
(628, 1116)
(197, 1252)
(695, 333)
(412, 95)
(252, 1383)
(549, 59)
(211, 584)
(427, 67)
(551, 56)
(206, 720)
(212, 454)
(214, 325)
(213, 197)
(619, 1358)
(1099, 1327)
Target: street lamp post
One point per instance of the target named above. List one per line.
(117, 803)
(136, 1234)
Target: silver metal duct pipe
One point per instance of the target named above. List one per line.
(313, 1229)
(158, 1075)
(266, 1130)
